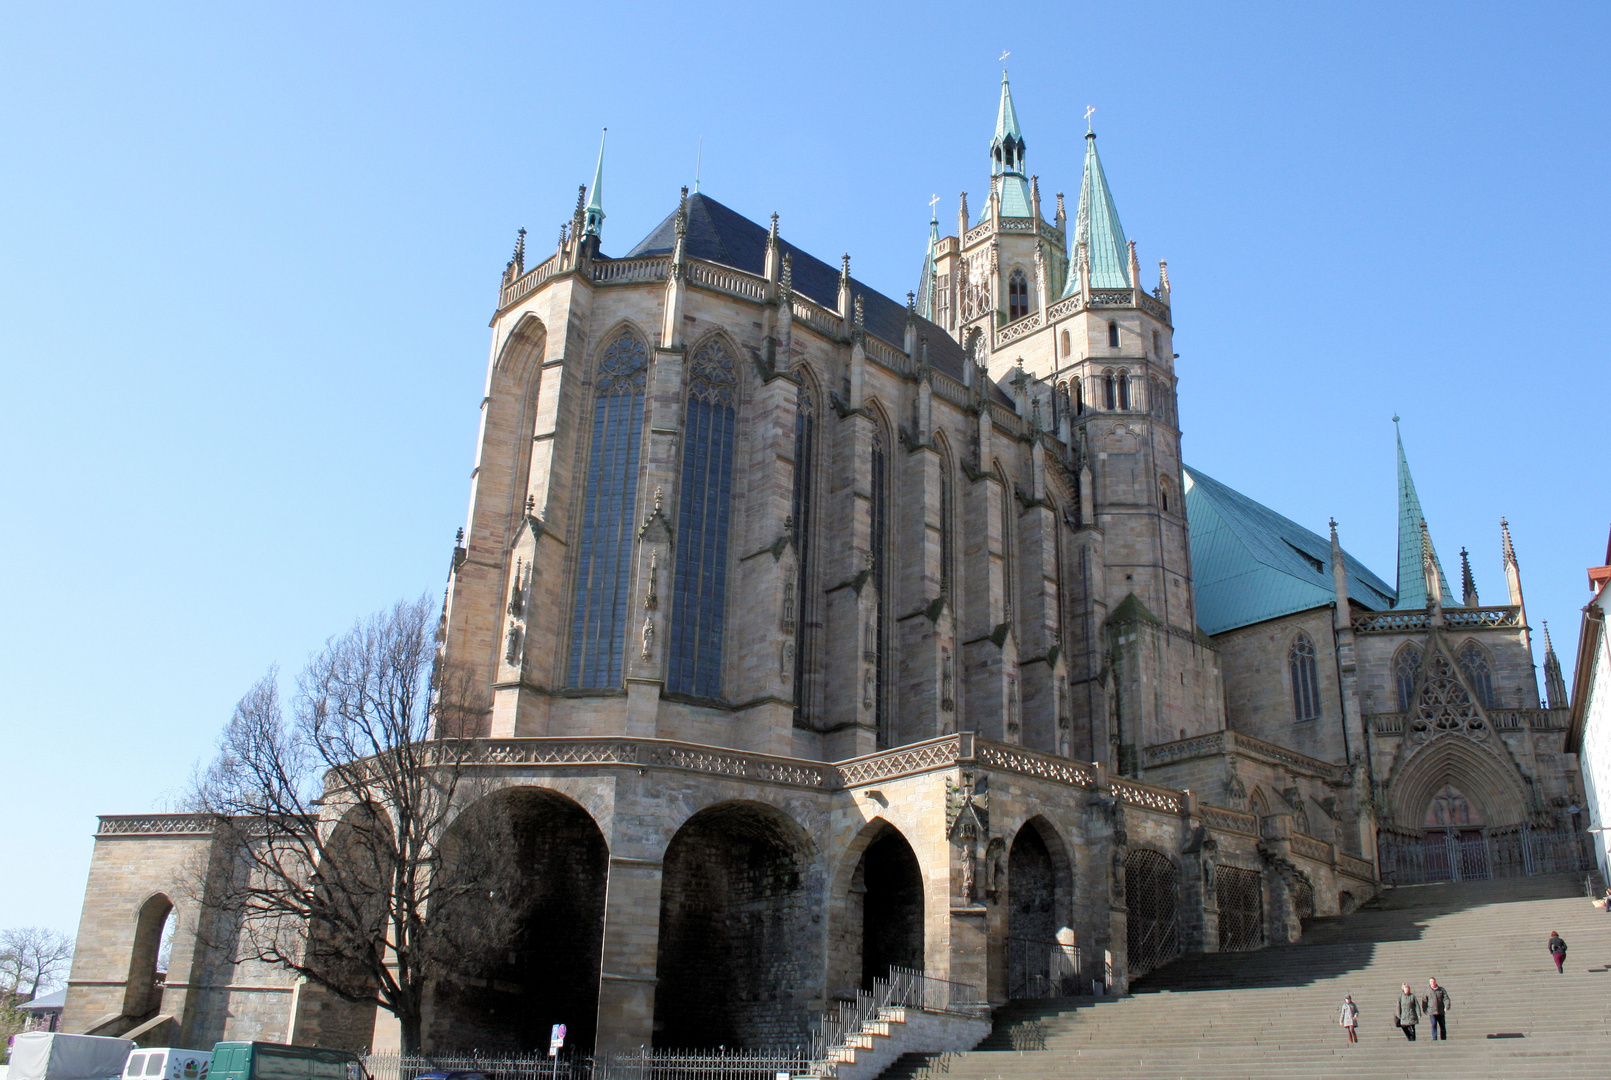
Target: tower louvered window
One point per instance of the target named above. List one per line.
(700, 595)
(1124, 390)
(1474, 666)
(805, 436)
(1110, 391)
(1017, 295)
(1305, 678)
(1406, 671)
(604, 551)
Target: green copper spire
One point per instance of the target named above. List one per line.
(595, 202)
(1007, 129)
(925, 284)
(1411, 523)
(1096, 225)
(1007, 176)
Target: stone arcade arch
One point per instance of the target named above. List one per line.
(524, 884)
(740, 937)
(1039, 910)
(142, 993)
(1152, 895)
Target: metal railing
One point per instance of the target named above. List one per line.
(1042, 968)
(906, 988)
(725, 1063)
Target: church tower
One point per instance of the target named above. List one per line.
(1088, 354)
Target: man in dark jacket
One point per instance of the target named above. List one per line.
(1436, 1004)
(1557, 951)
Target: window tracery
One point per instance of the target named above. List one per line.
(604, 550)
(1017, 295)
(1406, 670)
(1473, 660)
(1305, 680)
(700, 585)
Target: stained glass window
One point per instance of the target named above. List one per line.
(1474, 666)
(700, 596)
(805, 435)
(1305, 679)
(604, 552)
(1406, 671)
(880, 537)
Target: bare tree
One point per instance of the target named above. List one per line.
(31, 958)
(345, 864)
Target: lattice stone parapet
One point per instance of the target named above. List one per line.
(1112, 298)
(1227, 742)
(1018, 329)
(1311, 848)
(904, 761)
(725, 279)
(1355, 866)
(1044, 766)
(975, 234)
(1156, 308)
(1222, 819)
(1152, 798)
(1067, 306)
(154, 824)
(642, 752)
(1398, 622)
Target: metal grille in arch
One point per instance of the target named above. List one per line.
(1152, 893)
(1240, 893)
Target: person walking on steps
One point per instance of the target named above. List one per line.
(1349, 1018)
(1407, 1013)
(1557, 949)
(1436, 1004)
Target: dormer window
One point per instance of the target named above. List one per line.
(1017, 296)
(1113, 335)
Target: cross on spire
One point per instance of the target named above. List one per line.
(933, 202)
(1002, 60)
(1089, 109)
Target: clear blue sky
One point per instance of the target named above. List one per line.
(248, 254)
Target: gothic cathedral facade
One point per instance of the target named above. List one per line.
(823, 633)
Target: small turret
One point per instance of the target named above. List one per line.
(844, 287)
(962, 217)
(1432, 574)
(1061, 220)
(1342, 619)
(1554, 681)
(1468, 584)
(773, 250)
(927, 279)
(593, 223)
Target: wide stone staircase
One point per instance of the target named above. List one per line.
(1273, 1012)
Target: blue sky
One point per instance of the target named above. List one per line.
(248, 254)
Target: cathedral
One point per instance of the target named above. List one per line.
(824, 633)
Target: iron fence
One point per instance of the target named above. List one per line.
(1042, 968)
(735, 1063)
(1409, 858)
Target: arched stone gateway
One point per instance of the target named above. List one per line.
(740, 933)
(523, 890)
(1040, 944)
(1152, 892)
(891, 888)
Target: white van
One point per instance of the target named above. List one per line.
(167, 1063)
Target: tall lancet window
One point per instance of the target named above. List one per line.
(1406, 671)
(880, 569)
(947, 508)
(1474, 666)
(1017, 295)
(699, 597)
(805, 440)
(1110, 391)
(604, 550)
(1305, 678)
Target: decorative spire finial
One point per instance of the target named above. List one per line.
(861, 313)
(1509, 548)
(1089, 110)
(1468, 584)
(844, 268)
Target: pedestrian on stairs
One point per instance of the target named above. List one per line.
(1349, 1018)
(1408, 1013)
(1436, 1004)
(1557, 949)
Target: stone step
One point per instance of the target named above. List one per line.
(1272, 1013)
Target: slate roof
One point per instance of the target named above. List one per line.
(1250, 564)
(719, 234)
